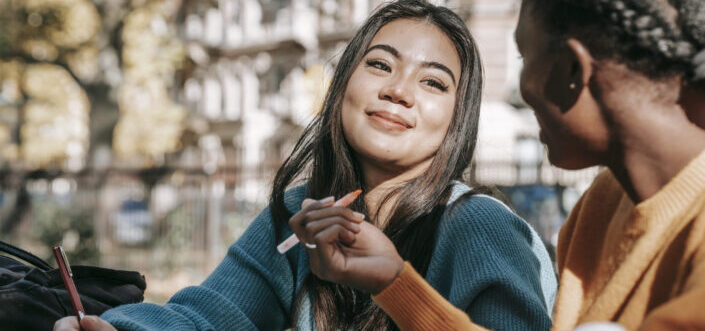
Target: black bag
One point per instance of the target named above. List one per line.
(33, 297)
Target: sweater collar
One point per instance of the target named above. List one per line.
(678, 194)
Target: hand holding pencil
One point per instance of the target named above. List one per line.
(343, 248)
(299, 220)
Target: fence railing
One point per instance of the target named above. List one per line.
(175, 225)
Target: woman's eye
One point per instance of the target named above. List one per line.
(436, 84)
(379, 65)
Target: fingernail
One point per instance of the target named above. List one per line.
(359, 215)
(327, 200)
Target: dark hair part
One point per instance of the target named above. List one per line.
(656, 37)
(323, 157)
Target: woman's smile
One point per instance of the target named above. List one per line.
(388, 121)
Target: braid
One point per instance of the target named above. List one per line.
(649, 26)
(656, 37)
(692, 18)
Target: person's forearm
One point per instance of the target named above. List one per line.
(414, 305)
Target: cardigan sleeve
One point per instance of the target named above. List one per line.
(414, 305)
(685, 311)
(488, 265)
(251, 289)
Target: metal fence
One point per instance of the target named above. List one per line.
(174, 225)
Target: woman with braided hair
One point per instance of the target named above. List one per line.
(620, 84)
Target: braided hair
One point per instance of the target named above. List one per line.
(656, 37)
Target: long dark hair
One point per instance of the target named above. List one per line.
(323, 158)
(658, 38)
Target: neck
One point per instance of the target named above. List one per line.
(380, 182)
(692, 99)
(651, 150)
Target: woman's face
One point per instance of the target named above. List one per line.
(575, 136)
(400, 99)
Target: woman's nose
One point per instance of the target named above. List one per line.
(399, 90)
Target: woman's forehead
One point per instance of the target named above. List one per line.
(417, 40)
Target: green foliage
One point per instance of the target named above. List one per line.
(59, 222)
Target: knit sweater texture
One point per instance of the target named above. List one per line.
(642, 266)
(487, 262)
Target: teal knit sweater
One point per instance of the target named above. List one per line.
(487, 261)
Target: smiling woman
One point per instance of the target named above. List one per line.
(400, 122)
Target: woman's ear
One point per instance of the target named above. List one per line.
(569, 74)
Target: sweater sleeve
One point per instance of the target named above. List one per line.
(488, 265)
(414, 305)
(251, 289)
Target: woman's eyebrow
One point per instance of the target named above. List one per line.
(384, 47)
(440, 66)
(429, 64)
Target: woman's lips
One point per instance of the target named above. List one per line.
(387, 121)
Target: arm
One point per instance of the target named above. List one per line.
(252, 288)
(414, 305)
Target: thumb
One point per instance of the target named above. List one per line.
(94, 323)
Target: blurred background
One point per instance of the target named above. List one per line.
(144, 134)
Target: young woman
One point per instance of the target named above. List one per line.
(399, 122)
(619, 84)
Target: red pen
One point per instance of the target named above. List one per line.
(67, 276)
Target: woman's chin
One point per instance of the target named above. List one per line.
(567, 161)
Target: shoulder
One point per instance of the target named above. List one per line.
(479, 212)
(605, 186)
(481, 223)
(294, 196)
(483, 239)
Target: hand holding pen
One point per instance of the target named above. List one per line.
(343, 248)
(316, 214)
(67, 276)
(81, 322)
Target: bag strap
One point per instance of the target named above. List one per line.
(24, 255)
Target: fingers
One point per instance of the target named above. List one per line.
(316, 220)
(332, 234)
(296, 221)
(95, 323)
(315, 210)
(350, 215)
(329, 259)
(69, 323)
(314, 227)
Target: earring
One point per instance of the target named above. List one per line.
(572, 86)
